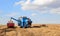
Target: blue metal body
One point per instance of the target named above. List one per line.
(22, 22)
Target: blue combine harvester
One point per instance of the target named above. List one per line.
(23, 22)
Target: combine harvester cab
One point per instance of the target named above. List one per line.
(23, 22)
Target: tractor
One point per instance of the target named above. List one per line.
(23, 22)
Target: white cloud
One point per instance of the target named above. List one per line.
(42, 2)
(33, 14)
(56, 11)
(40, 5)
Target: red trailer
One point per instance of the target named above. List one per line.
(10, 24)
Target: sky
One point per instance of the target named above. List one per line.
(40, 11)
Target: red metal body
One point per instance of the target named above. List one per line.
(10, 25)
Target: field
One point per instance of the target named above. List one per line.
(35, 30)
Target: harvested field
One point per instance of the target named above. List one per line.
(35, 30)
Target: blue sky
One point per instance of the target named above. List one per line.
(38, 10)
